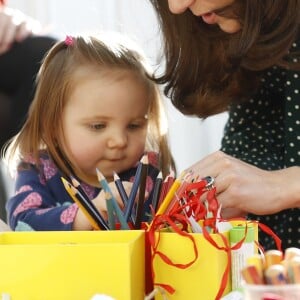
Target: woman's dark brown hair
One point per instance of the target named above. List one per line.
(207, 69)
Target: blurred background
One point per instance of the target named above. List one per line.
(190, 138)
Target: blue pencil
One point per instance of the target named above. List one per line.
(116, 207)
(156, 191)
(142, 189)
(135, 187)
(120, 188)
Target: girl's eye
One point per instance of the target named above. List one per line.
(97, 126)
(134, 126)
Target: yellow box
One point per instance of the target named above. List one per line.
(203, 278)
(72, 265)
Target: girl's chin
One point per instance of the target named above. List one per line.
(90, 179)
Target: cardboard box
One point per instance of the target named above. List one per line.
(202, 279)
(72, 265)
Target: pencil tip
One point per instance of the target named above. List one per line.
(65, 182)
(99, 174)
(144, 159)
(116, 176)
(75, 182)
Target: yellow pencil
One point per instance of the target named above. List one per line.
(72, 192)
(170, 194)
(166, 201)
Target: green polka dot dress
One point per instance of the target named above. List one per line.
(265, 131)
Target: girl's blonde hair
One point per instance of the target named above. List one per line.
(42, 129)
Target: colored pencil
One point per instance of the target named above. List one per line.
(120, 188)
(166, 186)
(156, 191)
(77, 185)
(83, 205)
(110, 212)
(89, 203)
(166, 201)
(121, 191)
(134, 189)
(142, 189)
(177, 196)
(116, 206)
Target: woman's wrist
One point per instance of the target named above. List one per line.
(288, 191)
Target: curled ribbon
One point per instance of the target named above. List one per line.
(177, 220)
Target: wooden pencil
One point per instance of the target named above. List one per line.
(77, 185)
(110, 212)
(120, 188)
(117, 209)
(73, 192)
(142, 189)
(88, 202)
(166, 186)
(156, 192)
(134, 189)
(167, 200)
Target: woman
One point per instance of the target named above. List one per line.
(241, 56)
(22, 48)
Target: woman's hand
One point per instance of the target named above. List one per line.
(15, 27)
(242, 187)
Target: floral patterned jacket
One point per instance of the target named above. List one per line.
(42, 203)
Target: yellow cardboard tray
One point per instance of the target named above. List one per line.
(72, 265)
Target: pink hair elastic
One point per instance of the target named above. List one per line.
(69, 40)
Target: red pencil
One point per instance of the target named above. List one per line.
(167, 183)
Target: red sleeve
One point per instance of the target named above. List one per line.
(2, 2)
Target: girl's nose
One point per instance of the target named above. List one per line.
(179, 6)
(117, 140)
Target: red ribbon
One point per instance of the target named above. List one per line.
(177, 219)
(159, 222)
